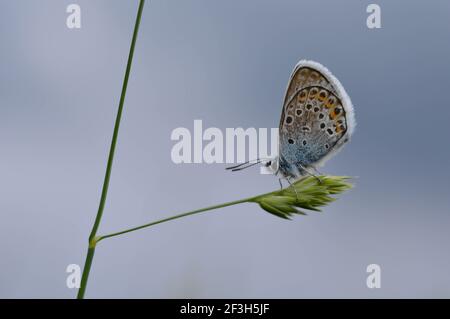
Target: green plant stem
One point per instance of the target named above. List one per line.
(197, 211)
(302, 186)
(98, 218)
(85, 276)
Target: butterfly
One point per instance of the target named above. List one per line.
(317, 120)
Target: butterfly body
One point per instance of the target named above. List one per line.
(316, 121)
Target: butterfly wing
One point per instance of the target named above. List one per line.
(316, 121)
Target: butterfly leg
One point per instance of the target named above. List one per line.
(316, 170)
(281, 185)
(292, 186)
(312, 174)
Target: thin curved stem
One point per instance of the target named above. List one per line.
(117, 126)
(287, 201)
(197, 211)
(98, 218)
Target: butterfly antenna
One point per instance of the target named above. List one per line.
(257, 161)
(236, 166)
(244, 167)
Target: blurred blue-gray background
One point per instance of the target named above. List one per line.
(227, 63)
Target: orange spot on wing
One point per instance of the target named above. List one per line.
(322, 95)
(302, 96)
(332, 115)
(330, 102)
(340, 128)
(312, 93)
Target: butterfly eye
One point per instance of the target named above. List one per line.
(268, 163)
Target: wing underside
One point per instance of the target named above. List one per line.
(313, 120)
